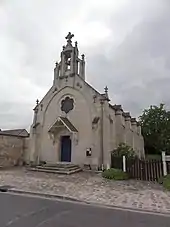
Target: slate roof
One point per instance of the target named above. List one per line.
(69, 124)
(115, 107)
(15, 132)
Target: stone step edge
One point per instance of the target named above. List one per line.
(59, 165)
(58, 168)
(55, 171)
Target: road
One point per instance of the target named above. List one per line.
(24, 211)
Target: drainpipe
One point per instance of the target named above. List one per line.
(101, 135)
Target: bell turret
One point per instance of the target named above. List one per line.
(70, 64)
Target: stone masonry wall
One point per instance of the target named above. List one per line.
(26, 151)
(11, 150)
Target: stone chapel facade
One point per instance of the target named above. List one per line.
(75, 123)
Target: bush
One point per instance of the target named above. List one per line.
(115, 174)
(160, 180)
(166, 182)
(123, 150)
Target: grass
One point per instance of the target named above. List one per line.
(166, 182)
(115, 174)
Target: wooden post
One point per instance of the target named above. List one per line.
(164, 163)
(124, 163)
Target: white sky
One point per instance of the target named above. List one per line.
(126, 43)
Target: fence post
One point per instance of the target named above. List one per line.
(124, 163)
(164, 163)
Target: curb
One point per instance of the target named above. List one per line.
(46, 195)
(66, 198)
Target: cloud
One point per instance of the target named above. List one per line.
(126, 42)
(137, 69)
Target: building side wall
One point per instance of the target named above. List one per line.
(124, 131)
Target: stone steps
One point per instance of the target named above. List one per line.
(57, 168)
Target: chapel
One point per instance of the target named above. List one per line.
(74, 123)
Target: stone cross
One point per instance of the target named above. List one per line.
(106, 92)
(82, 57)
(69, 37)
(106, 89)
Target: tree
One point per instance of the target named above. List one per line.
(155, 125)
(124, 149)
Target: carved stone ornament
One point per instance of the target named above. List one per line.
(67, 104)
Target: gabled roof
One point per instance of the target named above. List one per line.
(15, 132)
(68, 124)
(63, 121)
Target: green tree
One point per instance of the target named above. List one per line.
(155, 124)
(124, 149)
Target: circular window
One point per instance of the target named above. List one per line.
(67, 104)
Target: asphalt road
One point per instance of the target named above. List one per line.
(23, 211)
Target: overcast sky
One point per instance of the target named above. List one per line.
(126, 44)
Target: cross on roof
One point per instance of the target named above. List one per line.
(69, 37)
(106, 89)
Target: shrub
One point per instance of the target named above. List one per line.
(115, 174)
(160, 180)
(123, 150)
(166, 182)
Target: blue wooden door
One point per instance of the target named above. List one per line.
(65, 149)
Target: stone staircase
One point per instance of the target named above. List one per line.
(59, 168)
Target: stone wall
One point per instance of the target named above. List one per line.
(127, 130)
(12, 150)
(26, 150)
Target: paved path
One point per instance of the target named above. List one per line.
(91, 188)
(19, 211)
